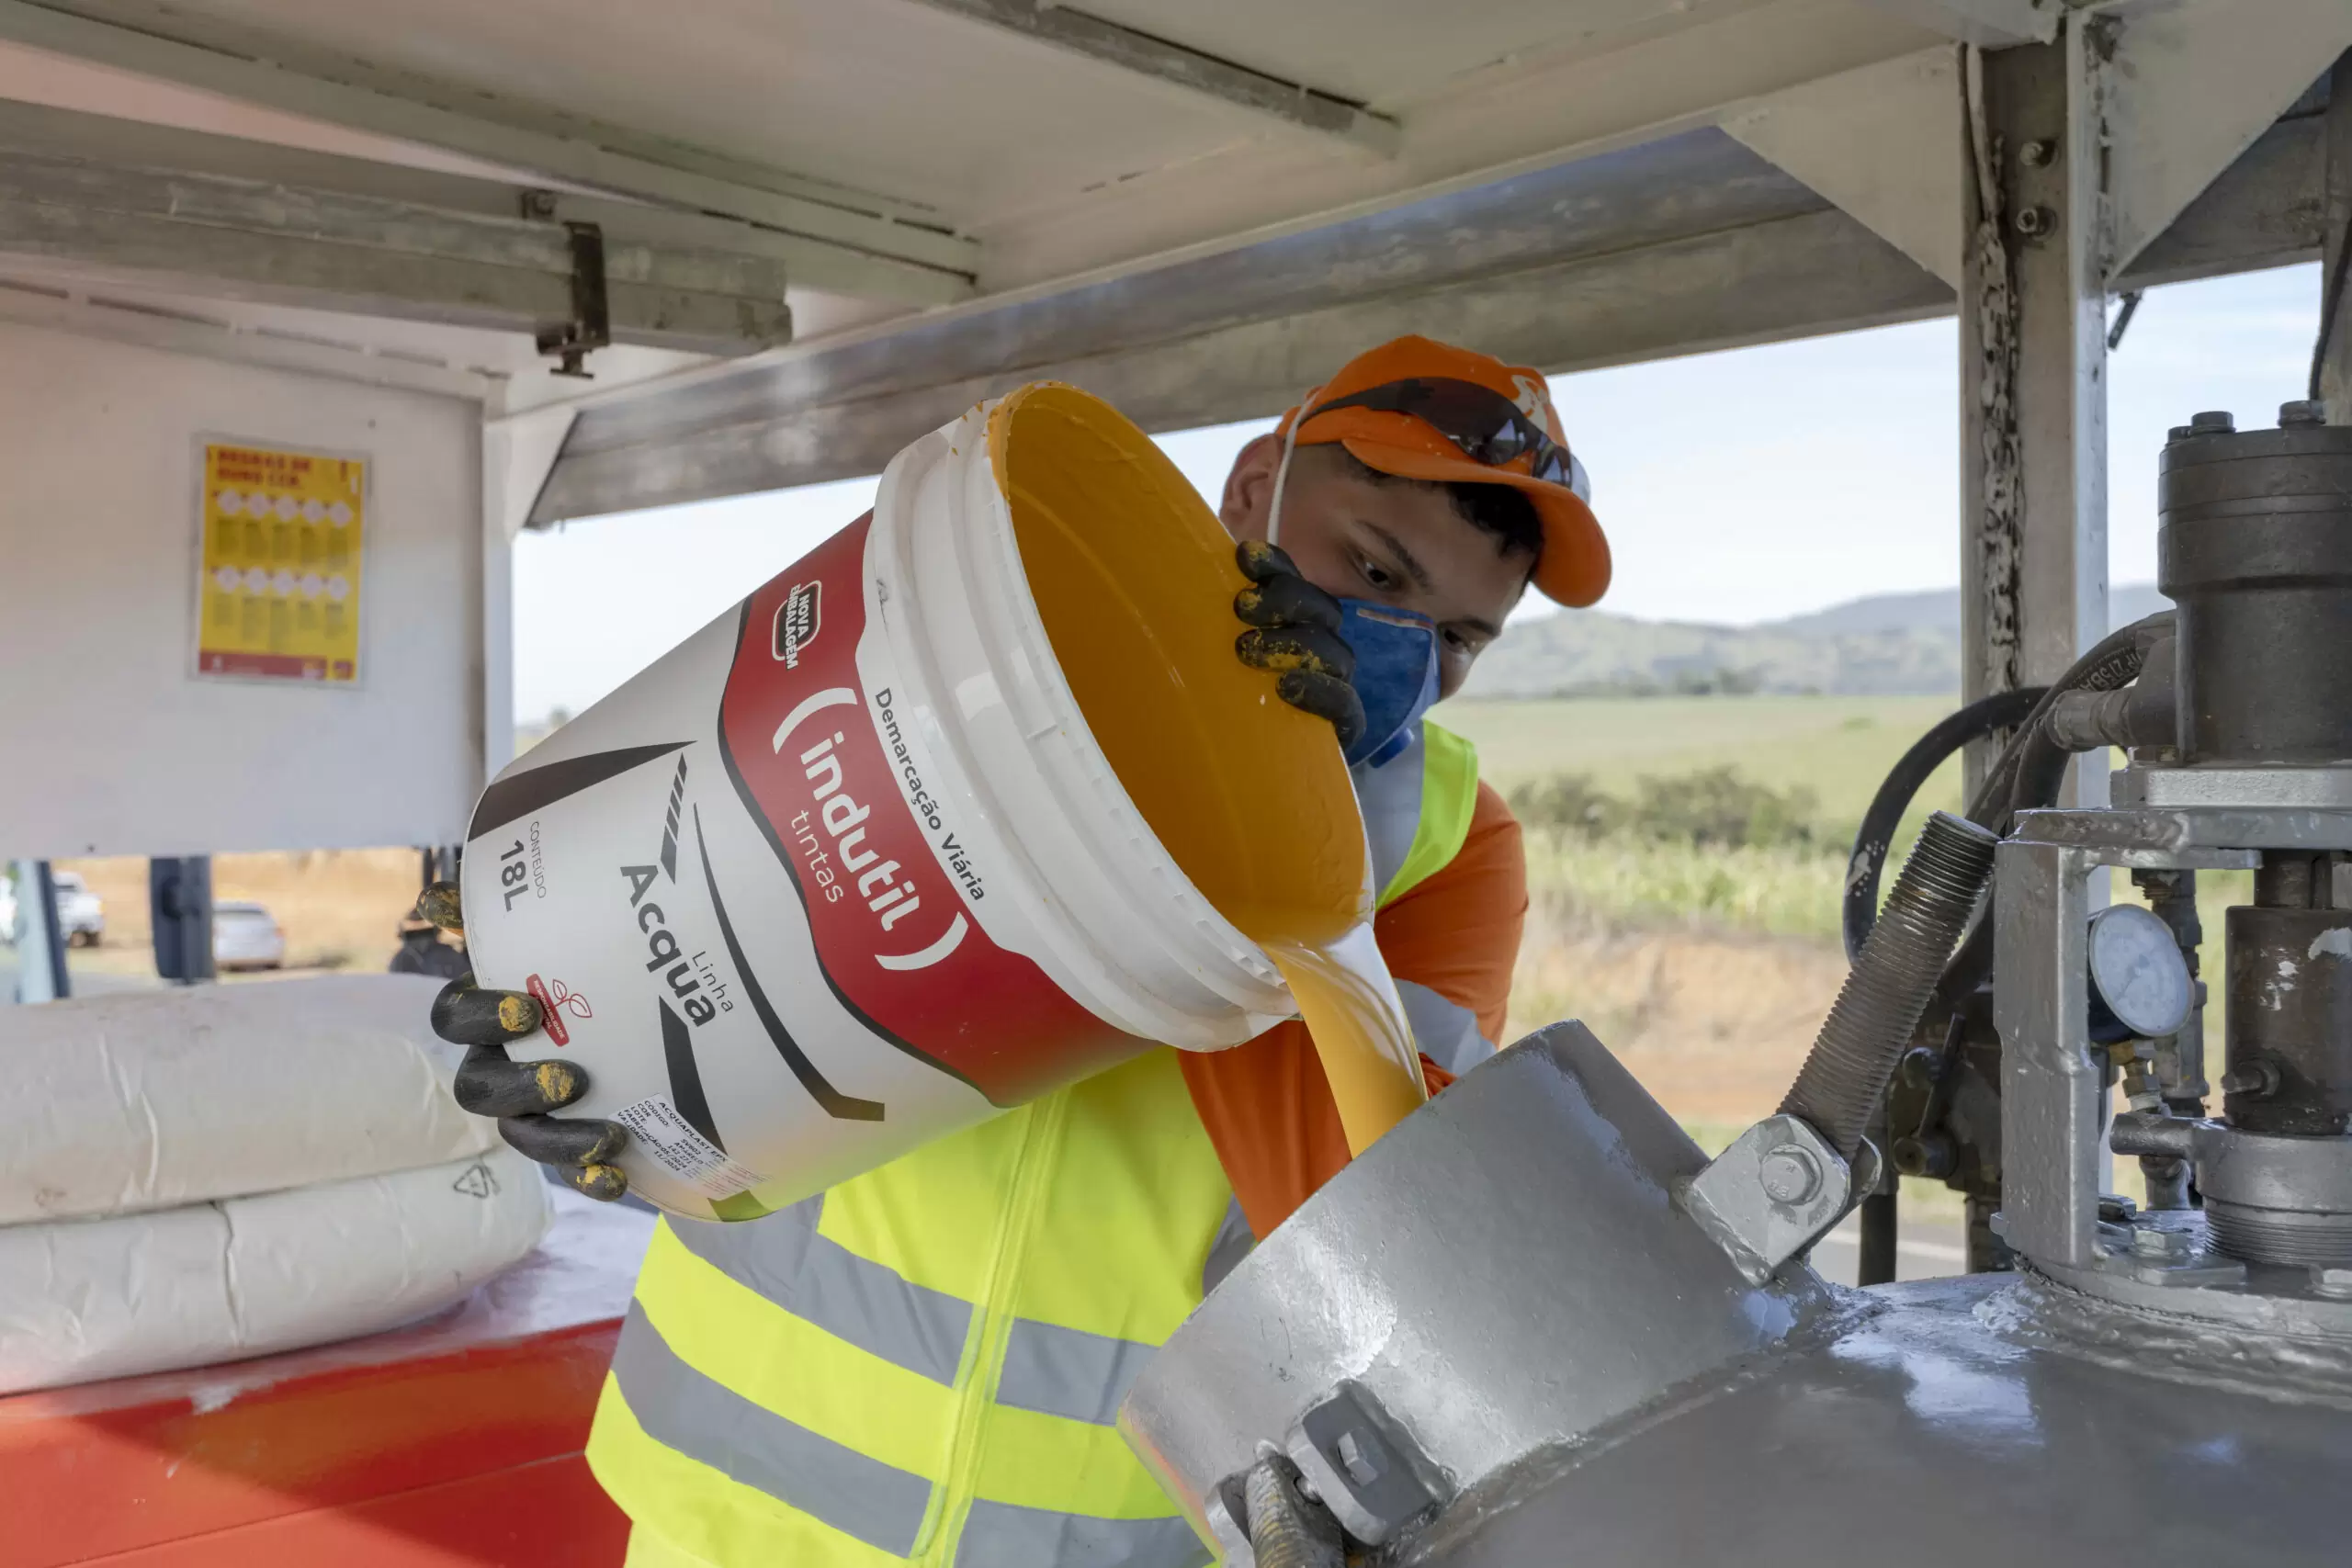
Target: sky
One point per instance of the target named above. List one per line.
(1737, 487)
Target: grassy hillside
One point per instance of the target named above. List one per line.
(1890, 644)
(1587, 651)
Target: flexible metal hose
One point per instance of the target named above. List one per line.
(1886, 990)
(1286, 1531)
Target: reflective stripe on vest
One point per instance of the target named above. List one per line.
(923, 1364)
(963, 1321)
(706, 1421)
(1417, 809)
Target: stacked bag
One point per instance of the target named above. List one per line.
(199, 1175)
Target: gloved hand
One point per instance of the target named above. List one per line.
(1296, 634)
(520, 1094)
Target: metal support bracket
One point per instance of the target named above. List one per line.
(1363, 1466)
(1349, 1467)
(1886, 143)
(2194, 83)
(591, 326)
(1779, 1189)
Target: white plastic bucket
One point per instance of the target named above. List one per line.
(846, 870)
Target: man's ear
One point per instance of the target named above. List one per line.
(1249, 488)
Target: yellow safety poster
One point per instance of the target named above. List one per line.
(281, 588)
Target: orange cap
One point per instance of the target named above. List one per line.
(1573, 568)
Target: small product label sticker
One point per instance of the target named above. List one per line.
(685, 1154)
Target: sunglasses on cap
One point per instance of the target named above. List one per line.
(1484, 425)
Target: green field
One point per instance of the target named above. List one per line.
(1839, 748)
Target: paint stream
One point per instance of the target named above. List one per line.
(1135, 581)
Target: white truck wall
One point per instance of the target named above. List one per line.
(109, 743)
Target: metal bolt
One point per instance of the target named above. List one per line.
(2035, 221)
(1921, 1067)
(2218, 421)
(1931, 1155)
(2164, 1245)
(539, 204)
(1789, 1173)
(2037, 154)
(2255, 1080)
(2116, 1209)
(2306, 411)
(1360, 1456)
(2333, 1283)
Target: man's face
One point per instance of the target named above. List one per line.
(1396, 544)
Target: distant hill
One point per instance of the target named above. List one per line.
(1887, 645)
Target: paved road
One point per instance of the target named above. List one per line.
(86, 982)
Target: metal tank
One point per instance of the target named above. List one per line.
(1535, 1325)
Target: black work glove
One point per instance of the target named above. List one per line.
(520, 1094)
(1296, 634)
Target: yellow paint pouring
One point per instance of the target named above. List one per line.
(1135, 581)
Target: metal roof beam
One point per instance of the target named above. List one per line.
(1689, 243)
(1817, 271)
(225, 217)
(851, 241)
(1111, 43)
(1988, 24)
(92, 315)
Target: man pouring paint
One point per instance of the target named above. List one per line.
(922, 1363)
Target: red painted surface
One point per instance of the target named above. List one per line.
(854, 823)
(455, 1441)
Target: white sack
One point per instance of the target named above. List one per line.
(109, 1105)
(87, 1298)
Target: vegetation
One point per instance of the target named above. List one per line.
(1630, 883)
(1693, 813)
(1711, 809)
(1709, 848)
(1713, 814)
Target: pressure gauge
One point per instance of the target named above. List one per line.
(2140, 986)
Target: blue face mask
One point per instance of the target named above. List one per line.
(1395, 675)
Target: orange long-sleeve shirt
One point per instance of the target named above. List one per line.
(1267, 1106)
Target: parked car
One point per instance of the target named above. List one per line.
(80, 914)
(245, 936)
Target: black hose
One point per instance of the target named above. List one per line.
(2033, 766)
(2114, 660)
(1985, 715)
(1942, 879)
(1906, 955)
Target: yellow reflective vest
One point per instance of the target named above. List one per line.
(923, 1364)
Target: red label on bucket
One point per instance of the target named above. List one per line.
(823, 764)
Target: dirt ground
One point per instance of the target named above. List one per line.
(1713, 1024)
(339, 908)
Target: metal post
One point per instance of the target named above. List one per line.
(2033, 417)
(2336, 369)
(2033, 374)
(179, 908)
(40, 937)
(516, 458)
(2054, 1148)
(494, 608)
